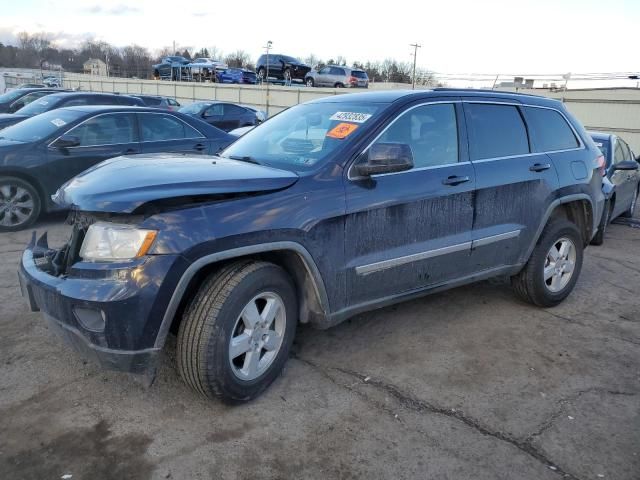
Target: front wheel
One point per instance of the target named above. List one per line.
(262, 76)
(235, 336)
(554, 266)
(309, 82)
(20, 204)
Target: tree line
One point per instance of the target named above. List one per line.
(38, 51)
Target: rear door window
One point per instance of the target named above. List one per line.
(495, 131)
(156, 127)
(549, 130)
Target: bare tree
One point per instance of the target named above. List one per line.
(238, 59)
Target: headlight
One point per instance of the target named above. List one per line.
(112, 241)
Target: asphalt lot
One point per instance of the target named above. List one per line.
(466, 384)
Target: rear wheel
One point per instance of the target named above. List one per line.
(339, 85)
(262, 76)
(236, 334)
(20, 204)
(286, 75)
(632, 208)
(554, 266)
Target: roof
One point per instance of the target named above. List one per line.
(109, 108)
(389, 96)
(94, 60)
(73, 94)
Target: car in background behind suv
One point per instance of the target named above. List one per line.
(281, 67)
(329, 209)
(66, 99)
(237, 75)
(223, 115)
(623, 170)
(337, 76)
(9, 100)
(156, 101)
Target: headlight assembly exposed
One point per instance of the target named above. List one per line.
(112, 241)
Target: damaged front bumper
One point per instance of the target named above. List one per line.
(109, 313)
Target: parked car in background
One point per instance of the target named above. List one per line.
(52, 81)
(337, 76)
(282, 67)
(32, 85)
(203, 68)
(38, 155)
(327, 210)
(66, 99)
(9, 98)
(622, 168)
(226, 116)
(30, 97)
(166, 69)
(237, 75)
(157, 101)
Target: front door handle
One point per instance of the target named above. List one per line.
(199, 147)
(454, 180)
(540, 167)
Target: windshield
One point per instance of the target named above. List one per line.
(290, 59)
(9, 96)
(192, 108)
(36, 128)
(303, 136)
(43, 105)
(358, 74)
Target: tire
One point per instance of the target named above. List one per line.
(632, 208)
(309, 82)
(598, 239)
(530, 283)
(216, 315)
(338, 85)
(20, 204)
(286, 75)
(261, 75)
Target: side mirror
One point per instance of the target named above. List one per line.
(626, 165)
(66, 141)
(385, 158)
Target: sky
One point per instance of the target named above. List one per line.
(457, 36)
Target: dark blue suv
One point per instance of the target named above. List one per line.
(329, 209)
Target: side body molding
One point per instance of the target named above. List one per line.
(180, 290)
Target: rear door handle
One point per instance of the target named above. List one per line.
(540, 167)
(454, 180)
(199, 147)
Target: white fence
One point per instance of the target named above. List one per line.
(608, 110)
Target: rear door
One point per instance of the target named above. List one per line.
(410, 230)
(514, 184)
(163, 132)
(232, 117)
(101, 137)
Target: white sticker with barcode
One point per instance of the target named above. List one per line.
(355, 117)
(58, 122)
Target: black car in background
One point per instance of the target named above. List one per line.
(41, 153)
(282, 67)
(7, 100)
(157, 101)
(226, 116)
(67, 99)
(623, 171)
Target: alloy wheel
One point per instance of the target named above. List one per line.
(16, 205)
(559, 265)
(257, 336)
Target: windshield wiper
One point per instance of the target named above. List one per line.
(243, 159)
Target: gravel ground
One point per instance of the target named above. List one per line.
(469, 383)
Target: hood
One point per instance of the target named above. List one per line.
(7, 119)
(122, 184)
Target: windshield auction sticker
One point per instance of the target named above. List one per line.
(354, 117)
(58, 122)
(342, 130)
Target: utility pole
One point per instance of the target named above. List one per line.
(415, 46)
(266, 77)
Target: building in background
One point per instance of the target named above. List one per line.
(95, 66)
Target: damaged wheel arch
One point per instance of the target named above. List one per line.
(313, 301)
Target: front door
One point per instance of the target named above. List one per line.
(624, 180)
(409, 230)
(101, 137)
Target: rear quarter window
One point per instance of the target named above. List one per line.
(495, 131)
(549, 130)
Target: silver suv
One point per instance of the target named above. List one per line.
(337, 77)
